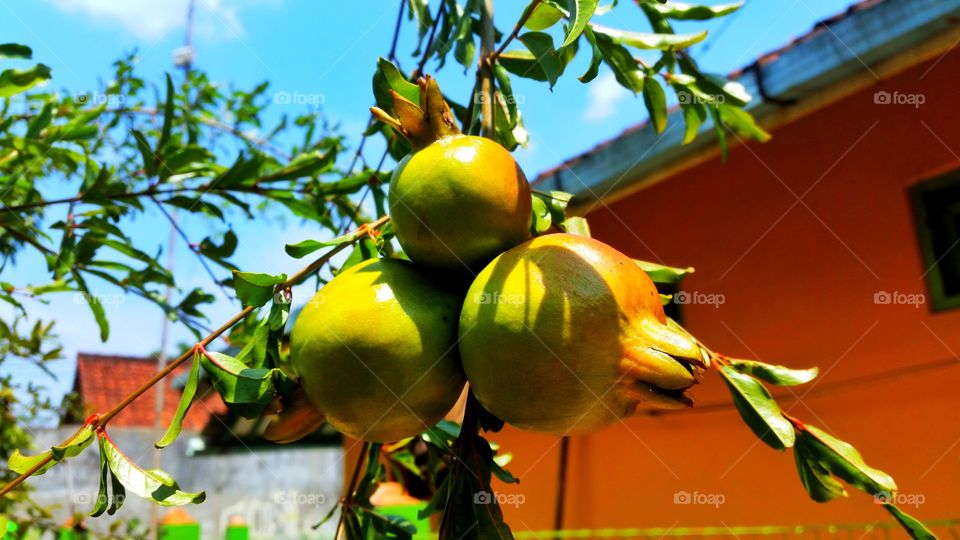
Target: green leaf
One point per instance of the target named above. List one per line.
(74, 446)
(733, 92)
(20, 463)
(146, 484)
(471, 510)
(844, 462)
(389, 526)
(914, 527)
(210, 249)
(167, 118)
(656, 101)
(742, 122)
(664, 275)
(103, 497)
(150, 161)
(773, 374)
(644, 40)
(816, 479)
(40, 121)
(758, 409)
(690, 12)
(186, 161)
(539, 62)
(582, 12)
(462, 38)
(365, 249)
(17, 51)
(186, 399)
(306, 247)
(595, 60)
(118, 494)
(255, 289)
(95, 306)
(307, 164)
(693, 116)
(576, 225)
(388, 77)
(236, 382)
(621, 61)
(545, 14)
(505, 88)
(15, 81)
(541, 216)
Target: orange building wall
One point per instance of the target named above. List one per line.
(798, 279)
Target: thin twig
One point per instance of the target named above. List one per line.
(426, 50)
(102, 420)
(150, 192)
(396, 32)
(348, 499)
(516, 29)
(183, 236)
(485, 71)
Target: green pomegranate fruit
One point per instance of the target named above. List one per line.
(376, 352)
(456, 201)
(565, 335)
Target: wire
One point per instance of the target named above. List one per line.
(724, 26)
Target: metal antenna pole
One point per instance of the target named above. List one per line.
(183, 58)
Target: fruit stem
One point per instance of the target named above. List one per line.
(347, 501)
(485, 70)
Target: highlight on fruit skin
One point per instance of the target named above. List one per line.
(457, 201)
(375, 351)
(566, 335)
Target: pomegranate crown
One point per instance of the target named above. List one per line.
(421, 124)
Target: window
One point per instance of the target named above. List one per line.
(936, 205)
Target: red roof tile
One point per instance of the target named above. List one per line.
(103, 380)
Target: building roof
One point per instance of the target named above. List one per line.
(871, 40)
(103, 380)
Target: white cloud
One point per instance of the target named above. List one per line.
(154, 19)
(604, 95)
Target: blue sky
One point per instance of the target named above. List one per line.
(320, 53)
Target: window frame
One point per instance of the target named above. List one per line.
(933, 276)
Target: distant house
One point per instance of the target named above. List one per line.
(834, 244)
(262, 483)
(102, 380)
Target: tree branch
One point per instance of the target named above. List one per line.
(101, 420)
(485, 70)
(516, 29)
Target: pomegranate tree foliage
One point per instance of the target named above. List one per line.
(77, 169)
